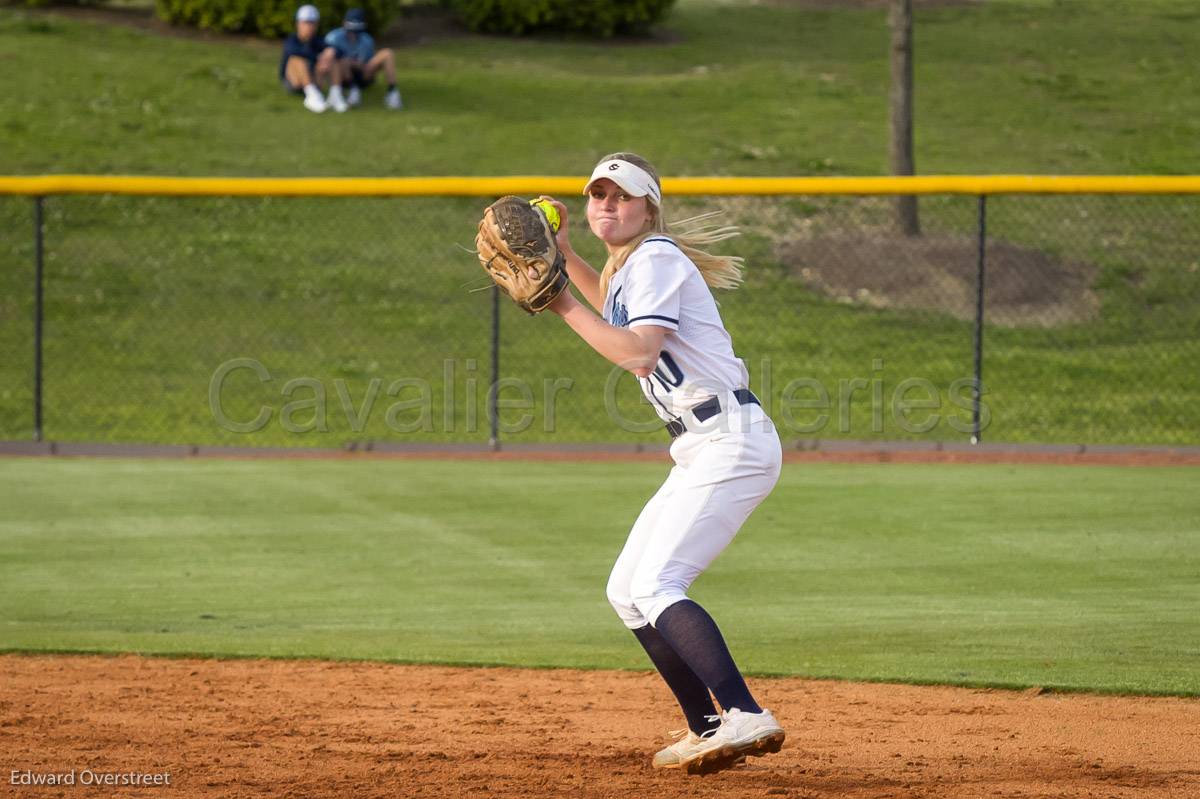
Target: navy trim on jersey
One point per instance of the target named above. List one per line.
(653, 316)
(661, 404)
(667, 241)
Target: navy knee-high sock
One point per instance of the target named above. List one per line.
(690, 691)
(694, 635)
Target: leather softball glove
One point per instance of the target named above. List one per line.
(517, 249)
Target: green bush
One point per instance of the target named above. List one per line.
(270, 17)
(597, 17)
(42, 3)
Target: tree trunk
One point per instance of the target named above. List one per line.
(901, 111)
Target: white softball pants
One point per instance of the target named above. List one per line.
(719, 477)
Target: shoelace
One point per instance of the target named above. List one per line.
(719, 719)
(679, 735)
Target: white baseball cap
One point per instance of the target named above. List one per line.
(308, 13)
(636, 181)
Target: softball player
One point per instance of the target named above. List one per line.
(660, 322)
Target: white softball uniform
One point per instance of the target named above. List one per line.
(725, 464)
(659, 285)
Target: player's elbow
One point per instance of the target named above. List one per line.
(644, 362)
(639, 365)
(641, 351)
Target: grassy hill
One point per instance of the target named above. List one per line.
(146, 298)
(727, 88)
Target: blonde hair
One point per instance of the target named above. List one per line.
(718, 271)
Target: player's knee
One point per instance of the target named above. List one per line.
(652, 596)
(622, 603)
(618, 595)
(654, 590)
(627, 610)
(651, 607)
(659, 586)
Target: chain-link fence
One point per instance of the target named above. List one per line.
(319, 321)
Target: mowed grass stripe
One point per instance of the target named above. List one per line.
(1080, 578)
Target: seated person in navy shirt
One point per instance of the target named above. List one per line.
(306, 59)
(360, 60)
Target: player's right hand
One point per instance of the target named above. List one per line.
(562, 238)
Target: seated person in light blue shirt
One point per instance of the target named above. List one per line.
(356, 50)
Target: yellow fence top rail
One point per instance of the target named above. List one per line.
(35, 185)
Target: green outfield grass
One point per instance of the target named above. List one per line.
(1079, 578)
(146, 297)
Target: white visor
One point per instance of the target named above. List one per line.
(636, 181)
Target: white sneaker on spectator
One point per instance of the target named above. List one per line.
(355, 97)
(313, 100)
(393, 101)
(335, 99)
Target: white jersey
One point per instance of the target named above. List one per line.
(659, 285)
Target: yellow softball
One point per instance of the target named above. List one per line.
(550, 211)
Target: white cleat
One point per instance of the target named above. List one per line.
(740, 734)
(393, 101)
(687, 744)
(354, 98)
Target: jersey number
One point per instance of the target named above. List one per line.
(667, 373)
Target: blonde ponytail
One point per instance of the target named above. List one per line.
(691, 234)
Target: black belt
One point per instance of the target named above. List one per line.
(710, 408)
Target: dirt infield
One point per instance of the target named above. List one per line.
(315, 729)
